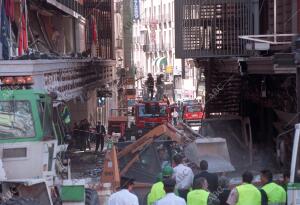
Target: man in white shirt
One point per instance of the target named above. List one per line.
(124, 196)
(170, 198)
(183, 175)
(175, 116)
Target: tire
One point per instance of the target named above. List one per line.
(91, 197)
(21, 201)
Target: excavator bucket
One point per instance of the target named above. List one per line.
(213, 150)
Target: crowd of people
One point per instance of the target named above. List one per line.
(83, 134)
(179, 186)
(160, 87)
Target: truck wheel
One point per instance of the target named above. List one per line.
(91, 197)
(20, 201)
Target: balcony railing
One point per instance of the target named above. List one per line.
(212, 29)
(73, 5)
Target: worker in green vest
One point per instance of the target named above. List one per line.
(157, 190)
(245, 194)
(275, 193)
(200, 195)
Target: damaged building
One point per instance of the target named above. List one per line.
(61, 46)
(245, 49)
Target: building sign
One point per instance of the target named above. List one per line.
(136, 9)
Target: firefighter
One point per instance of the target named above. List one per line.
(245, 194)
(157, 190)
(150, 86)
(160, 87)
(275, 193)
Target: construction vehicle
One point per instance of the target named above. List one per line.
(34, 168)
(144, 158)
(193, 114)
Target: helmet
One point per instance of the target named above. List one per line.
(167, 171)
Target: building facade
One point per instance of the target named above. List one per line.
(66, 47)
(154, 49)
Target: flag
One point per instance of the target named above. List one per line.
(94, 30)
(23, 39)
(4, 32)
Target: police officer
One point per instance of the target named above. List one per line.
(275, 193)
(157, 190)
(245, 194)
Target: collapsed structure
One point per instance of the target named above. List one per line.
(245, 49)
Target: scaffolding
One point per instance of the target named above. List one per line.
(211, 28)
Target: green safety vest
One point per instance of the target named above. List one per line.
(276, 194)
(197, 197)
(157, 192)
(248, 195)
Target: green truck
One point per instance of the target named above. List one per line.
(33, 166)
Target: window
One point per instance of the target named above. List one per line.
(16, 120)
(152, 110)
(194, 109)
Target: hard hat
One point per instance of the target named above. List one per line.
(167, 171)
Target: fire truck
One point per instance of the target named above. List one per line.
(151, 114)
(193, 113)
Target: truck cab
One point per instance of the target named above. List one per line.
(151, 114)
(27, 128)
(193, 114)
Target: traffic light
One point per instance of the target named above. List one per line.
(101, 101)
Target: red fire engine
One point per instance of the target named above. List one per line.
(151, 114)
(193, 114)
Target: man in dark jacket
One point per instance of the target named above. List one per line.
(211, 178)
(100, 136)
(150, 86)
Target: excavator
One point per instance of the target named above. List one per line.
(144, 158)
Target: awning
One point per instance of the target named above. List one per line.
(162, 61)
(154, 61)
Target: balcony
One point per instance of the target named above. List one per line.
(68, 6)
(104, 5)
